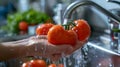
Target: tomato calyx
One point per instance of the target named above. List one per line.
(70, 24)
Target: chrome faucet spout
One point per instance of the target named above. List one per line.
(74, 5)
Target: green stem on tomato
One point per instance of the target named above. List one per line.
(73, 24)
(67, 26)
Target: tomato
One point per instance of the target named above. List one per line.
(52, 65)
(23, 26)
(34, 63)
(43, 28)
(82, 29)
(37, 63)
(57, 35)
(26, 64)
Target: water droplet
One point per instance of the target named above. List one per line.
(110, 65)
(99, 65)
(69, 62)
(64, 60)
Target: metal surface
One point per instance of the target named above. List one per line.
(98, 52)
(74, 5)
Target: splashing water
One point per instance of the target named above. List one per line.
(43, 49)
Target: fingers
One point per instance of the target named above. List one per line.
(57, 52)
(79, 44)
(53, 57)
(52, 51)
(39, 37)
(42, 37)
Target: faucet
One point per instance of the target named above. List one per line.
(68, 12)
(74, 5)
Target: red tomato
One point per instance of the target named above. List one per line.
(82, 29)
(52, 65)
(26, 64)
(37, 63)
(57, 35)
(43, 28)
(23, 26)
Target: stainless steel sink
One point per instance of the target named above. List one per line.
(100, 53)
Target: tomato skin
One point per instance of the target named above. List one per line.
(52, 65)
(23, 26)
(37, 63)
(43, 28)
(82, 29)
(26, 64)
(57, 35)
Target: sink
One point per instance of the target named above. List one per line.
(99, 53)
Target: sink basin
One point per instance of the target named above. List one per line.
(99, 52)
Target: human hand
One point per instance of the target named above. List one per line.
(39, 46)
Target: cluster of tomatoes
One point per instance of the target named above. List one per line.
(40, 63)
(57, 34)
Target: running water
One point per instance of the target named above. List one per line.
(74, 60)
(43, 49)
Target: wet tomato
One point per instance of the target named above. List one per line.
(34, 63)
(52, 65)
(43, 28)
(57, 35)
(38, 63)
(82, 29)
(26, 64)
(23, 26)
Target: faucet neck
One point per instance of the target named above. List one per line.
(74, 5)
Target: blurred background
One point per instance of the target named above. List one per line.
(12, 12)
(35, 12)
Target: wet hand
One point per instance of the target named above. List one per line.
(41, 47)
